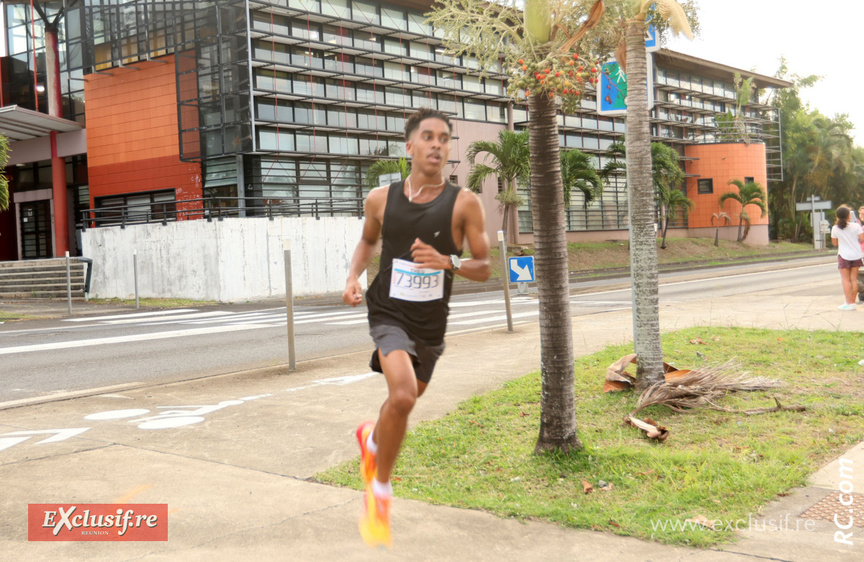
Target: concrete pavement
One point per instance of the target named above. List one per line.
(233, 455)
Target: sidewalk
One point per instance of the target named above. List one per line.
(237, 482)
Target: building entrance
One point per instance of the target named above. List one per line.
(36, 230)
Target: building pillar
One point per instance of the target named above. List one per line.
(52, 72)
(58, 164)
(61, 220)
(241, 186)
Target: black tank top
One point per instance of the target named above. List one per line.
(431, 222)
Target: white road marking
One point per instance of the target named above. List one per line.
(171, 320)
(134, 315)
(10, 439)
(494, 318)
(126, 339)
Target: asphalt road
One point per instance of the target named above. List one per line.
(64, 357)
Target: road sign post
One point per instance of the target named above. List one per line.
(502, 249)
(289, 305)
(813, 204)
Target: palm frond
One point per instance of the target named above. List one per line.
(701, 388)
(381, 167)
(672, 12)
(478, 175)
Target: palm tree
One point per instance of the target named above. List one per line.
(719, 216)
(643, 240)
(577, 170)
(510, 163)
(381, 167)
(673, 200)
(4, 182)
(539, 47)
(750, 193)
(667, 175)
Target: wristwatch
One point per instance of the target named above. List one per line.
(455, 263)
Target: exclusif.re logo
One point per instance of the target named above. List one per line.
(97, 522)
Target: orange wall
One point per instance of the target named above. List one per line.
(723, 162)
(132, 135)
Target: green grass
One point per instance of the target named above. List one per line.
(715, 464)
(154, 303)
(588, 256)
(591, 256)
(6, 316)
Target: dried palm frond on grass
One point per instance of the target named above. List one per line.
(702, 387)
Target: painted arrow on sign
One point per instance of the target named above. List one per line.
(11, 439)
(522, 273)
(523, 267)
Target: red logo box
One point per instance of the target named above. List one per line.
(97, 522)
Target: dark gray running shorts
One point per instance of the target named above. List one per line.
(389, 338)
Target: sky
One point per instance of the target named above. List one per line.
(754, 34)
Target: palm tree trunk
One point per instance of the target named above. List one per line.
(664, 224)
(557, 403)
(504, 221)
(740, 222)
(643, 239)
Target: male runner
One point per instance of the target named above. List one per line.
(423, 222)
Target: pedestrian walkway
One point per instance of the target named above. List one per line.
(232, 457)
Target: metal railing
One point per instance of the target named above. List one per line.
(219, 208)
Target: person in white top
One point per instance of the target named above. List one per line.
(847, 236)
(861, 271)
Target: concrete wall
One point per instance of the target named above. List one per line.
(234, 260)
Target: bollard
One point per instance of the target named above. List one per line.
(289, 305)
(505, 273)
(135, 273)
(68, 285)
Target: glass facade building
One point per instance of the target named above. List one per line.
(292, 100)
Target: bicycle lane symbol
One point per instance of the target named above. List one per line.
(176, 416)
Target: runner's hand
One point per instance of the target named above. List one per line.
(353, 293)
(427, 257)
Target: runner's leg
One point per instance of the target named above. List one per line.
(404, 389)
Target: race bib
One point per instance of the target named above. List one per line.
(410, 283)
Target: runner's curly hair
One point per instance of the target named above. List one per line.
(424, 113)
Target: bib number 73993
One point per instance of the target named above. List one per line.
(411, 283)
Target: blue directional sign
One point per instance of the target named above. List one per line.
(522, 269)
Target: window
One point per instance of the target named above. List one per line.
(748, 180)
(706, 186)
(137, 207)
(454, 180)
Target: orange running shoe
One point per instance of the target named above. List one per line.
(375, 521)
(368, 460)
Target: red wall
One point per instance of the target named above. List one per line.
(132, 135)
(723, 162)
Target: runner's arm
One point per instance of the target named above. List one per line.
(476, 268)
(474, 227)
(365, 250)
